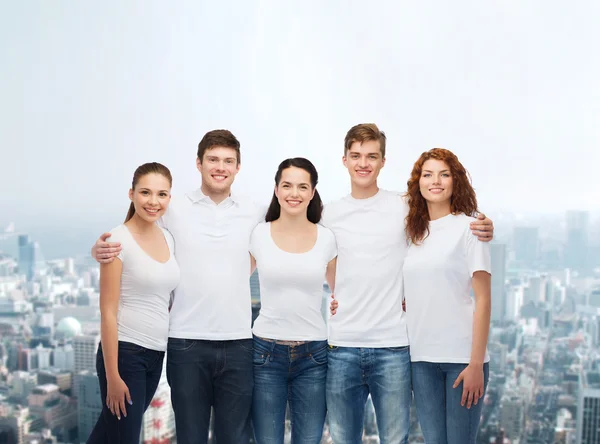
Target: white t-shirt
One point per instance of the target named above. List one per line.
(291, 286)
(368, 285)
(146, 286)
(437, 288)
(212, 301)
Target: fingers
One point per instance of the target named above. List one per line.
(104, 236)
(121, 405)
(458, 381)
(470, 396)
(128, 396)
(481, 216)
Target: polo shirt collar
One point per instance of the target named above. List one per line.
(198, 196)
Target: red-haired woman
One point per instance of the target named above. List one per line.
(448, 329)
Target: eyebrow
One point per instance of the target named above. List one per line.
(148, 189)
(290, 183)
(368, 154)
(429, 171)
(217, 157)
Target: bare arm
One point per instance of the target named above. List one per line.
(482, 287)
(110, 283)
(105, 252)
(483, 228)
(330, 274)
(252, 264)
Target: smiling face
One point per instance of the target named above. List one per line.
(218, 167)
(151, 196)
(436, 182)
(364, 162)
(294, 191)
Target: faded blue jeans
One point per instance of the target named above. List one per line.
(293, 375)
(443, 420)
(352, 374)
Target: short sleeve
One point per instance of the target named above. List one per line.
(116, 235)
(331, 247)
(478, 254)
(255, 239)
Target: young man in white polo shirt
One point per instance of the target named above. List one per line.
(209, 355)
(368, 342)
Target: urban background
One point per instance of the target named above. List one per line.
(91, 90)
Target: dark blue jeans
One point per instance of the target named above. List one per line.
(289, 374)
(443, 420)
(353, 374)
(140, 368)
(204, 374)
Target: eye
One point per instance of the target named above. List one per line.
(144, 192)
(373, 157)
(230, 161)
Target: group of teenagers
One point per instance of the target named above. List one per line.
(405, 269)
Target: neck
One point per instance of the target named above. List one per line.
(438, 210)
(362, 192)
(139, 225)
(216, 196)
(287, 220)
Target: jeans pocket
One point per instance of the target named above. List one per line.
(130, 348)
(319, 356)
(260, 358)
(402, 348)
(178, 344)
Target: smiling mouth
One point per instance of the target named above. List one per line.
(152, 211)
(293, 203)
(363, 173)
(219, 177)
(436, 190)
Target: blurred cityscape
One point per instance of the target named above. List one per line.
(544, 344)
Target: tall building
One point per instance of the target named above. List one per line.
(512, 414)
(84, 354)
(15, 425)
(498, 252)
(255, 287)
(526, 245)
(31, 260)
(64, 357)
(158, 424)
(89, 403)
(588, 408)
(577, 245)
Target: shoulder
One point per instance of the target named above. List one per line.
(260, 230)
(333, 208)
(119, 234)
(326, 234)
(250, 206)
(168, 236)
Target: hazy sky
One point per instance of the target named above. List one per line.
(90, 90)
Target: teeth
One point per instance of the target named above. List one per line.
(219, 177)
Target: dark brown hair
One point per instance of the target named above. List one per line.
(463, 198)
(364, 132)
(315, 207)
(141, 171)
(220, 137)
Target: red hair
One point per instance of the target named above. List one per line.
(463, 198)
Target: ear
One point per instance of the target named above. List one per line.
(131, 195)
(344, 160)
(199, 164)
(382, 162)
(313, 193)
(275, 191)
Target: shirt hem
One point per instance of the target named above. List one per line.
(399, 343)
(444, 360)
(211, 337)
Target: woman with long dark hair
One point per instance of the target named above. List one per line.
(134, 305)
(448, 329)
(294, 255)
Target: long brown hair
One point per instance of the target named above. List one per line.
(463, 199)
(141, 171)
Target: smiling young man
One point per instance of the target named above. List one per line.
(209, 354)
(368, 341)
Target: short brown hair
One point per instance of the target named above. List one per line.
(364, 132)
(220, 137)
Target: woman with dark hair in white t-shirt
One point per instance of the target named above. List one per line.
(447, 328)
(134, 305)
(294, 255)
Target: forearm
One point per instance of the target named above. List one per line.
(481, 329)
(110, 345)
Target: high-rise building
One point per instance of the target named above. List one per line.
(64, 357)
(89, 403)
(577, 246)
(498, 253)
(512, 414)
(588, 408)
(158, 424)
(31, 260)
(84, 354)
(15, 424)
(526, 245)
(255, 286)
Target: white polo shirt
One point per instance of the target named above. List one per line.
(212, 301)
(368, 285)
(437, 287)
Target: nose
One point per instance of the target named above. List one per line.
(153, 199)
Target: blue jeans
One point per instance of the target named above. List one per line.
(352, 374)
(204, 374)
(140, 368)
(289, 374)
(443, 420)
